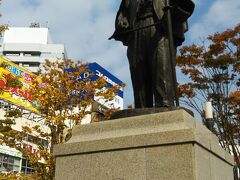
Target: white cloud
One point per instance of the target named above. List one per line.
(222, 14)
(84, 27)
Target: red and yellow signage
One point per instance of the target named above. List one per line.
(16, 95)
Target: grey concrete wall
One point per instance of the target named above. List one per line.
(160, 163)
(162, 146)
(209, 166)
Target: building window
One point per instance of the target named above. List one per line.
(6, 106)
(12, 54)
(33, 139)
(44, 143)
(9, 163)
(26, 65)
(25, 54)
(32, 53)
(117, 100)
(26, 168)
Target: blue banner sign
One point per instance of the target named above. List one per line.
(99, 71)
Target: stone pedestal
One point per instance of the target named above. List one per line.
(162, 146)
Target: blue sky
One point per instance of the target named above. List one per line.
(85, 25)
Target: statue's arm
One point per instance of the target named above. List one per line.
(122, 24)
(182, 9)
(122, 17)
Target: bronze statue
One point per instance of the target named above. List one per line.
(144, 26)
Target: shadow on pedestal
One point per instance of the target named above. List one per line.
(144, 111)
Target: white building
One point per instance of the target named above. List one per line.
(12, 160)
(30, 46)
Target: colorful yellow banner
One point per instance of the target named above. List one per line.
(17, 95)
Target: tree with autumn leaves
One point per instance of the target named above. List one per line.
(213, 69)
(63, 97)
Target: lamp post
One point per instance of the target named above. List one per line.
(209, 116)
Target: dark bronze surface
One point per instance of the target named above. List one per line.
(143, 26)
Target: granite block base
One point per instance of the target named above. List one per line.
(161, 146)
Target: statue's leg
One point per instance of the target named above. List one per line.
(142, 86)
(164, 88)
(140, 67)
